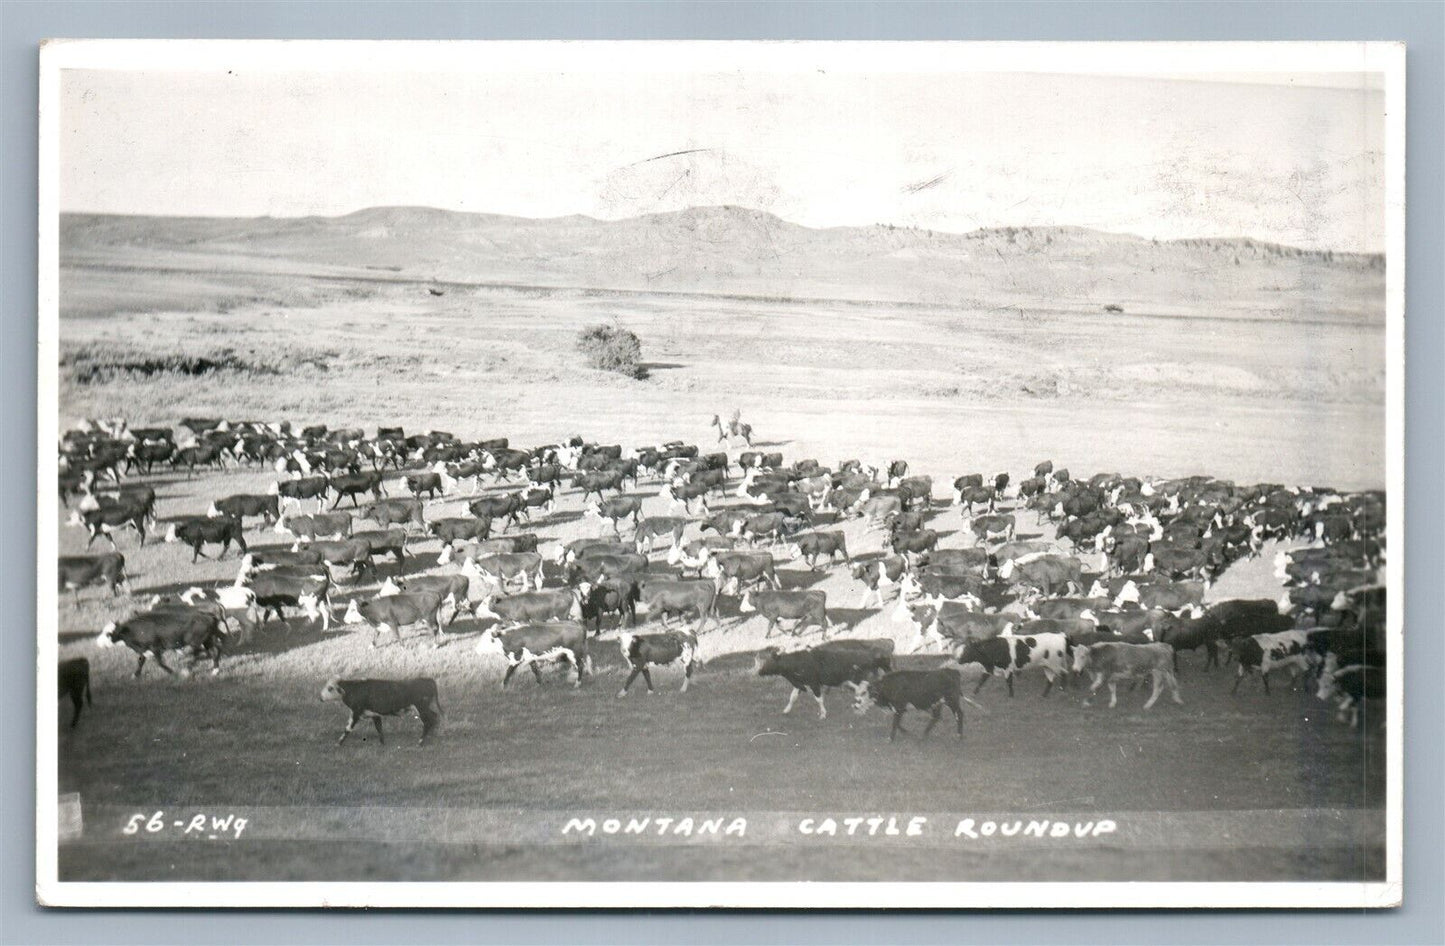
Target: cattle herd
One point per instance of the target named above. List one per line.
(1112, 598)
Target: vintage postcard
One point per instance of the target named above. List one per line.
(883, 475)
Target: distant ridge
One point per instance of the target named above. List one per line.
(739, 250)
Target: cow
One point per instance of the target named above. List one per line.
(353, 552)
(454, 588)
(769, 525)
(74, 676)
(666, 597)
(617, 509)
(878, 575)
(678, 493)
(941, 621)
(323, 525)
(1351, 685)
(1176, 562)
(393, 612)
(460, 529)
(532, 644)
(1266, 652)
(812, 545)
(966, 588)
(929, 690)
(197, 532)
(696, 554)
(955, 561)
(647, 531)
(1044, 572)
(306, 487)
(1108, 662)
(1226, 621)
(243, 504)
(155, 632)
(617, 595)
(429, 482)
(996, 527)
(910, 544)
(532, 607)
(642, 651)
(393, 512)
(578, 549)
(597, 481)
(594, 568)
(832, 664)
(877, 508)
(104, 520)
(742, 568)
(1009, 655)
(354, 485)
(374, 699)
(79, 571)
(503, 569)
(806, 608)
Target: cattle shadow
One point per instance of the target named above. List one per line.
(852, 617)
(660, 365)
(764, 444)
(1027, 536)
(791, 580)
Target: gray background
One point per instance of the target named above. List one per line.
(1421, 25)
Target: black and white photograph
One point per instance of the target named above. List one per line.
(720, 474)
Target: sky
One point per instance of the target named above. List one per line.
(1297, 162)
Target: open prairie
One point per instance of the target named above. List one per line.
(972, 363)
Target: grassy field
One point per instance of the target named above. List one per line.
(1261, 368)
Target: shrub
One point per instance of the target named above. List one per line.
(610, 348)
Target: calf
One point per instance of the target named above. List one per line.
(75, 683)
(377, 698)
(394, 612)
(197, 532)
(665, 598)
(1108, 662)
(79, 571)
(805, 608)
(642, 651)
(155, 632)
(532, 644)
(1009, 655)
(925, 689)
(1044, 572)
(1266, 652)
(827, 665)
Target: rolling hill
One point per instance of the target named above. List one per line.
(740, 252)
